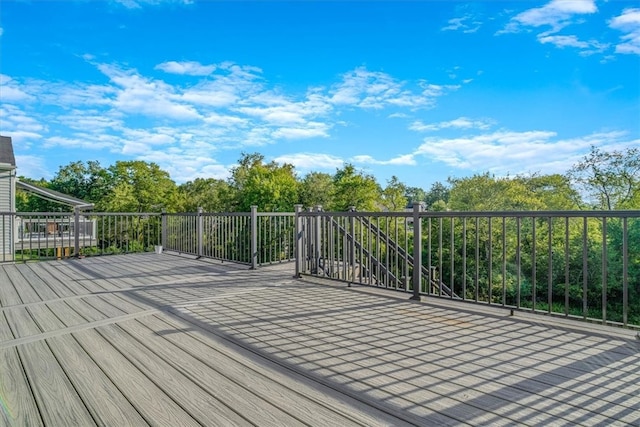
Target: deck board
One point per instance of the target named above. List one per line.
(101, 397)
(144, 339)
(63, 289)
(49, 383)
(8, 294)
(15, 392)
(228, 374)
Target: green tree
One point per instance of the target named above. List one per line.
(316, 188)
(138, 186)
(437, 195)
(393, 195)
(555, 191)
(487, 193)
(88, 182)
(212, 195)
(355, 188)
(270, 186)
(415, 195)
(610, 179)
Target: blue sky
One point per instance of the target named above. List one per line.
(423, 90)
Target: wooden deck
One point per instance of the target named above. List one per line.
(164, 340)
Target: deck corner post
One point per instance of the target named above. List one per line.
(76, 232)
(199, 232)
(254, 237)
(298, 240)
(417, 251)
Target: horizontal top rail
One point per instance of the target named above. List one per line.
(271, 214)
(83, 213)
(122, 213)
(208, 214)
(408, 214)
(484, 214)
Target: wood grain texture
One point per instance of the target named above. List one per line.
(24, 288)
(61, 288)
(57, 400)
(17, 404)
(8, 294)
(148, 398)
(44, 291)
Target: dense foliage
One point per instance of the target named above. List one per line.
(602, 180)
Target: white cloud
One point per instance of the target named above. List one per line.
(508, 151)
(588, 48)
(137, 4)
(563, 41)
(179, 126)
(556, 14)
(190, 68)
(629, 23)
(227, 87)
(398, 116)
(158, 136)
(32, 167)
(87, 141)
(227, 121)
(376, 90)
(311, 161)
(12, 91)
(23, 138)
(466, 24)
(286, 113)
(211, 98)
(405, 159)
(138, 95)
(459, 123)
(14, 119)
(183, 164)
(311, 130)
(89, 121)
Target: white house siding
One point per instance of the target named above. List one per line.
(7, 204)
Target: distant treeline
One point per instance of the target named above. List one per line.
(601, 180)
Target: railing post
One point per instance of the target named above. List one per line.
(316, 240)
(163, 229)
(417, 251)
(254, 237)
(76, 232)
(199, 231)
(352, 248)
(298, 243)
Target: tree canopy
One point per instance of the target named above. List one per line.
(610, 179)
(601, 180)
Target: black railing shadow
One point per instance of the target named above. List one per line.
(423, 363)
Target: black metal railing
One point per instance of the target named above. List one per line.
(27, 236)
(578, 264)
(253, 238)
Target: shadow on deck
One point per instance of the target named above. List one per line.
(218, 344)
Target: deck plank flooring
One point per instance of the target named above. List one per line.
(154, 339)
